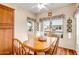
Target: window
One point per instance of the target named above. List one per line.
(30, 25)
(46, 25)
(54, 24)
(57, 25)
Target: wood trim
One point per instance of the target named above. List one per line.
(6, 28)
(13, 32)
(6, 7)
(6, 24)
(28, 18)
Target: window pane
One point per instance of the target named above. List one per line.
(57, 21)
(55, 25)
(30, 25)
(46, 24)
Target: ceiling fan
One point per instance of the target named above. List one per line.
(40, 6)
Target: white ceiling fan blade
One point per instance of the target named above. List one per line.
(40, 6)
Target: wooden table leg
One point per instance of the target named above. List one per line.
(35, 53)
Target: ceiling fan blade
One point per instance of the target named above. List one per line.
(40, 6)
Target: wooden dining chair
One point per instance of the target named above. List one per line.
(53, 48)
(30, 52)
(18, 48)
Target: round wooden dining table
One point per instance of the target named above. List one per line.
(39, 46)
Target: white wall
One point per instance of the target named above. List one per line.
(77, 23)
(68, 11)
(77, 31)
(20, 17)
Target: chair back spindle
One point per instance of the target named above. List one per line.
(19, 48)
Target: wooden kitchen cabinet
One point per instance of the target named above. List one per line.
(6, 29)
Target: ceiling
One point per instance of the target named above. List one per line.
(29, 6)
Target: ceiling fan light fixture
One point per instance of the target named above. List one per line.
(41, 6)
(50, 13)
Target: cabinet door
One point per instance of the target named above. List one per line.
(8, 16)
(6, 36)
(1, 41)
(6, 29)
(1, 15)
(8, 40)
